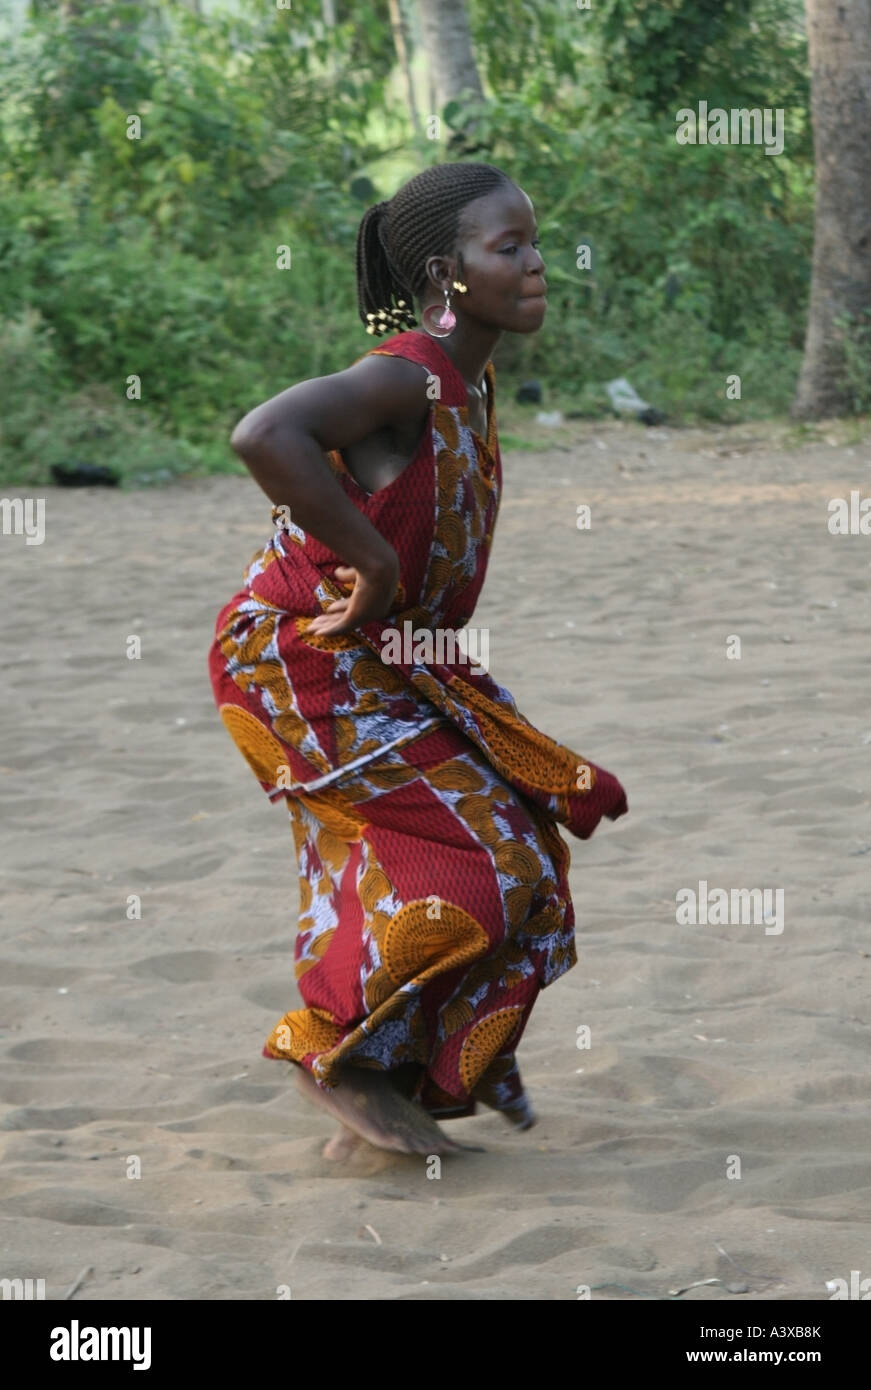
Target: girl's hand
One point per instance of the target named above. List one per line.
(371, 598)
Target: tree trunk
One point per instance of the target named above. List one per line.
(400, 40)
(446, 38)
(839, 38)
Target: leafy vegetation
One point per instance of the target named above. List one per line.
(159, 257)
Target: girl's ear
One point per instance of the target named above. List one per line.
(438, 272)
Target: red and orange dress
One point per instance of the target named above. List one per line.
(434, 900)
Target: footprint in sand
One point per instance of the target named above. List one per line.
(182, 870)
(183, 967)
(62, 1052)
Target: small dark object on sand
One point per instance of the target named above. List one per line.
(84, 475)
(651, 416)
(529, 392)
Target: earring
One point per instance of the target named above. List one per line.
(439, 320)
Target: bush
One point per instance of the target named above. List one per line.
(43, 422)
(157, 257)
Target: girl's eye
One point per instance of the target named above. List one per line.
(537, 242)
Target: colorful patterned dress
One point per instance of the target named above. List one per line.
(434, 900)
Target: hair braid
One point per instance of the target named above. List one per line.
(397, 236)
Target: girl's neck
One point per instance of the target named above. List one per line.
(470, 347)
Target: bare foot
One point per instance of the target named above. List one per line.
(342, 1144)
(365, 1102)
(522, 1116)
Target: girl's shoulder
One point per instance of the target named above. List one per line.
(448, 386)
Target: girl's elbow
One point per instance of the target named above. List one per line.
(247, 434)
(261, 427)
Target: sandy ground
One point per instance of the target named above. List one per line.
(124, 1039)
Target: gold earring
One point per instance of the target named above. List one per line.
(460, 287)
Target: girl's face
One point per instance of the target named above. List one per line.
(500, 263)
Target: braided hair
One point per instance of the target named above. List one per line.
(396, 237)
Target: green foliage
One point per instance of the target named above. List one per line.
(44, 422)
(158, 256)
(506, 35)
(672, 53)
(699, 255)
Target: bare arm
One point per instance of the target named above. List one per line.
(283, 443)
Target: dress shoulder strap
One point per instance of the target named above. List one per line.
(420, 347)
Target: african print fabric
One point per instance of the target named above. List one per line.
(434, 900)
